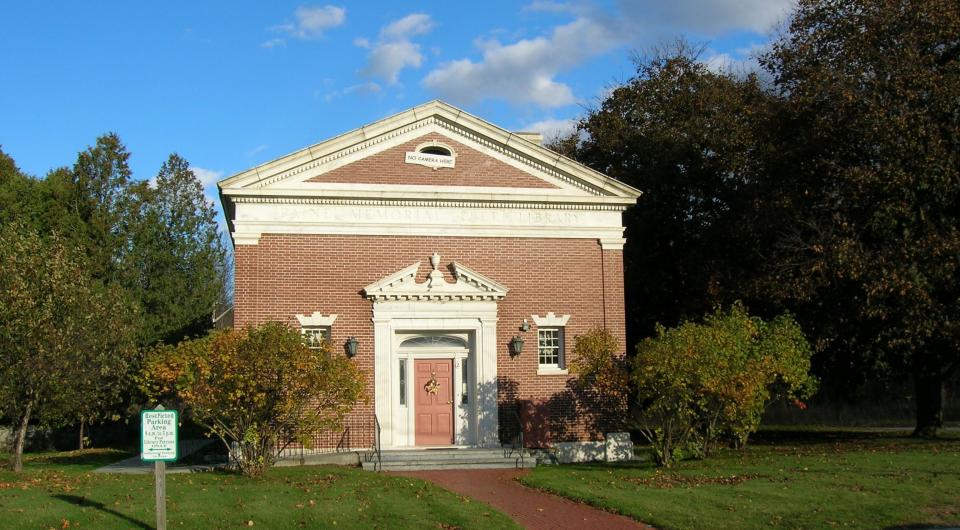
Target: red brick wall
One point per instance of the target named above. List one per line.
(472, 169)
(289, 274)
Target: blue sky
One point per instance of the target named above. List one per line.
(229, 85)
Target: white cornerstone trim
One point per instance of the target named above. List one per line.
(613, 243)
(316, 319)
(550, 320)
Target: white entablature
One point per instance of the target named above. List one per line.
(284, 196)
(468, 285)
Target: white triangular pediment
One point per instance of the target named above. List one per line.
(290, 175)
(467, 285)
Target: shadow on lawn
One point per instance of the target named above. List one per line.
(81, 501)
(921, 526)
(821, 436)
(88, 457)
(628, 464)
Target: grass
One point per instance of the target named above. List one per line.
(811, 479)
(58, 490)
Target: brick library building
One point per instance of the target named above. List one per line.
(453, 260)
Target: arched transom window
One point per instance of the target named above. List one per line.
(434, 341)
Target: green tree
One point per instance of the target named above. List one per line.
(176, 257)
(257, 389)
(56, 353)
(18, 194)
(870, 250)
(96, 192)
(693, 141)
(160, 244)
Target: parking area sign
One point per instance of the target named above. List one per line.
(158, 435)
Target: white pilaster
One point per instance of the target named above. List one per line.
(382, 336)
(487, 385)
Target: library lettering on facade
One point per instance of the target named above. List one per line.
(460, 258)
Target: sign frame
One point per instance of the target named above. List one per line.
(430, 160)
(176, 436)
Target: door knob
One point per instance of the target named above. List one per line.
(449, 402)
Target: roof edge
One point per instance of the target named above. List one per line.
(447, 112)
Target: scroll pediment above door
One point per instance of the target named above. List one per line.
(468, 285)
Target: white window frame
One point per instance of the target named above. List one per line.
(559, 367)
(307, 332)
(316, 322)
(551, 321)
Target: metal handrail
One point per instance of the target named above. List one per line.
(376, 444)
(344, 443)
(516, 444)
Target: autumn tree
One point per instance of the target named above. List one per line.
(57, 353)
(701, 382)
(869, 253)
(601, 367)
(256, 389)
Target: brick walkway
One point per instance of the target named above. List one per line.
(530, 508)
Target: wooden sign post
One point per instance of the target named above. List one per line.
(158, 444)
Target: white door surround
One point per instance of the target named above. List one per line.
(466, 311)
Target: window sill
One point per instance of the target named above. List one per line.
(543, 370)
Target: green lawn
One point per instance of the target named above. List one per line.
(57, 490)
(785, 480)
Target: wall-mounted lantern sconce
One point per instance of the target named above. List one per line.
(524, 326)
(351, 346)
(516, 345)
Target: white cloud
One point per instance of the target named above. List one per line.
(552, 129)
(708, 17)
(206, 176)
(208, 179)
(407, 27)
(576, 8)
(367, 88)
(741, 61)
(311, 22)
(386, 60)
(257, 150)
(525, 71)
(273, 43)
(394, 49)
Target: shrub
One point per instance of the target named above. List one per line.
(601, 367)
(703, 382)
(257, 389)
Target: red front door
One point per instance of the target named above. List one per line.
(434, 403)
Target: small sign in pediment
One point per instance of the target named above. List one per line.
(430, 160)
(468, 285)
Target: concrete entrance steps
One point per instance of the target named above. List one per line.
(433, 459)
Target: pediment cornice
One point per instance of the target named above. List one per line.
(432, 115)
(468, 285)
(467, 201)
